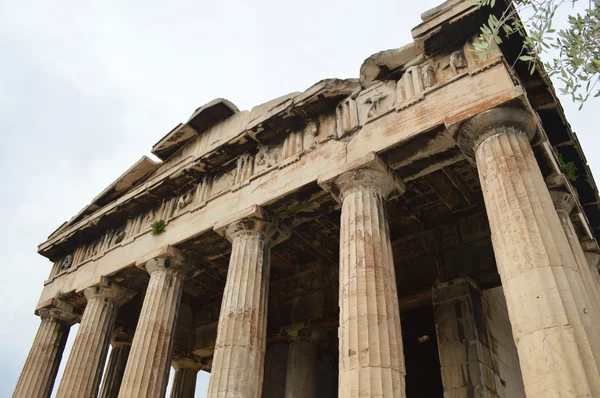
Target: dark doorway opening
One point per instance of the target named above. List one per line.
(423, 375)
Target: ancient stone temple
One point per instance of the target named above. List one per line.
(409, 233)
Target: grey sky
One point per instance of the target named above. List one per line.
(86, 88)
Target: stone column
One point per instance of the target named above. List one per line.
(464, 346)
(275, 370)
(300, 380)
(186, 373)
(39, 372)
(536, 264)
(113, 376)
(371, 362)
(147, 371)
(238, 361)
(301, 377)
(564, 203)
(82, 374)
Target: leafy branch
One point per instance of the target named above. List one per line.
(577, 64)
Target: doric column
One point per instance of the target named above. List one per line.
(113, 376)
(536, 264)
(39, 372)
(147, 371)
(301, 380)
(186, 373)
(84, 368)
(275, 370)
(564, 203)
(238, 361)
(370, 335)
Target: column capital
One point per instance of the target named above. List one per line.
(107, 289)
(59, 311)
(121, 336)
(474, 131)
(252, 220)
(563, 200)
(590, 245)
(166, 259)
(367, 173)
(190, 362)
(304, 331)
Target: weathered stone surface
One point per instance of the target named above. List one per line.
(186, 373)
(370, 348)
(238, 362)
(395, 138)
(153, 341)
(113, 375)
(534, 259)
(83, 371)
(39, 372)
(471, 356)
(301, 369)
(383, 62)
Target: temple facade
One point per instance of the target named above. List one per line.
(409, 233)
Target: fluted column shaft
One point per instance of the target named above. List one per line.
(82, 374)
(300, 380)
(371, 362)
(184, 383)
(238, 361)
(564, 204)
(147, 371)
(534, 260)
(39, 372)
(113, 376)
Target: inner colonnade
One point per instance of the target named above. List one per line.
(406, 234)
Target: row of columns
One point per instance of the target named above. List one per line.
(552, 302)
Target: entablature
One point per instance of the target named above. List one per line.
(406, 108)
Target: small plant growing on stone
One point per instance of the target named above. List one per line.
(568, 168)
(158, 227)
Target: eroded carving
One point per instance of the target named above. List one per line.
(428, 76)
(184, 200)
(267, 157)
(376, 100)
(66, 263)
(224, 181)
(457, 61)
(311, 134)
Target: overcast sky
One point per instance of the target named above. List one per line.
(86, 89)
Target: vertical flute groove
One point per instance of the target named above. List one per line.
(82, 373)
(111, 382)
(371, 352)
(40, 369)
(238, 361)
(147, 370)
(184, 383)
(538, 270)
